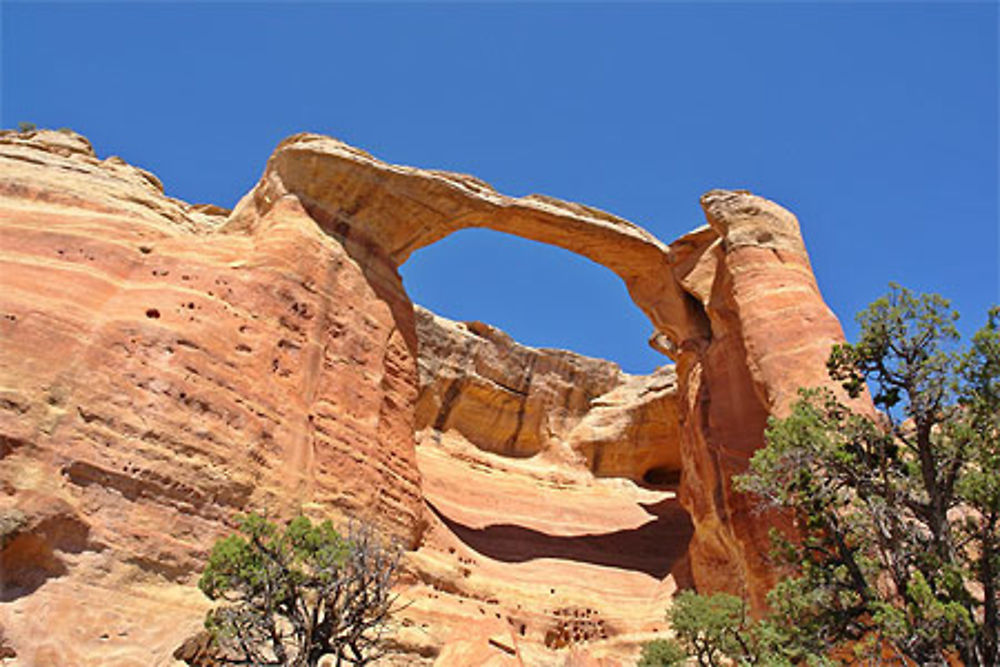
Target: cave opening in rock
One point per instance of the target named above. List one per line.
(662, 476)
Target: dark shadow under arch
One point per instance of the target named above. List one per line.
(655, 548)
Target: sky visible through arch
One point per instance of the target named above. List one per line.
(876, 123)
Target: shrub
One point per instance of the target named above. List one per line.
(292, 596)
(662, 653)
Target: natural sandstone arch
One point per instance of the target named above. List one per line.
(735, 304)
(396, 210)
(166, 365)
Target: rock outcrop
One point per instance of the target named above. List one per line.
(529, 461)
(735, 304)
(518, 402)
(165, 366)
(771, 333)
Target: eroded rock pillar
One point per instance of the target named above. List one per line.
(771, 333)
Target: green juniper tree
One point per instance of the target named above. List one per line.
(292, 596)
(717, 630)
(895, 548)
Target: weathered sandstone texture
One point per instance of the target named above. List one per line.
(735, 304)
(157, 377)
(165, 366)
(518, 401)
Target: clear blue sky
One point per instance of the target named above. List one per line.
(875, 123)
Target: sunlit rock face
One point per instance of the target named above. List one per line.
(165, 366)
(519, 402)
(734, 303)
(771, 334)
(158, 376)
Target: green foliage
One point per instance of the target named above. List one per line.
(662, 653)
(717, 630)
(26, 127)
(895, 543)
(896, 513)
(291, 596)
(708, 626)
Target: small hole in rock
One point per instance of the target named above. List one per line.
(153, 313)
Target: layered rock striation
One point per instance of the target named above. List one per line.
(165, 366)
(565, 408)
(158, 376)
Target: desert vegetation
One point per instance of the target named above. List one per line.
(892, 551)
(291, 596)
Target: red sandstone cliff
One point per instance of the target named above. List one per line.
(164, 366)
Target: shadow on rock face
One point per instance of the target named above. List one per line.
(655, 548)
(31, 544)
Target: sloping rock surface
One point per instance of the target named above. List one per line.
(518, 401)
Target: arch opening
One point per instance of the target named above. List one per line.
(541, 295)
(508, 398)
(476, 382)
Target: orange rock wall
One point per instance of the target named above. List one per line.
(501, 396)
(519, 401)
(159, 374)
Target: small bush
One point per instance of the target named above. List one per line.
(292, 596)
(662, 653)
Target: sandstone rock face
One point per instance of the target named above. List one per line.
(771, 334)
(165, 366)
(518, 401)
(390, 211)
(158, 376)
(734, 304)
(501, 396)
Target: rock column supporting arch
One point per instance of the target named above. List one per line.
(734, 303)
(771, 333)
